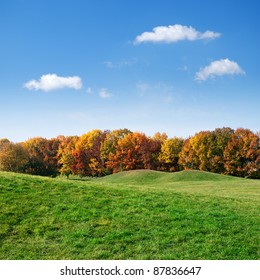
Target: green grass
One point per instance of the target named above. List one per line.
(130, 215)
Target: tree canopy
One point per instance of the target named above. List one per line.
(98, 153)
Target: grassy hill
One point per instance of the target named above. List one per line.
(130, 215)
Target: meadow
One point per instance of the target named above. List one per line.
(130, 215)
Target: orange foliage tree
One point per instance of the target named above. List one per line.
(205, 150)
(66, 159)
(110, 145)
(242, 154)
(13, 156)
(133, 152)
(87, 158)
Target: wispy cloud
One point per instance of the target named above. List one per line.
(104, 93)
(158, 91)
(121, 63)
(184, 68)
(174, 33)
(142, 86)
(219, 68)
(109, 64)
(52, 82)
(89, 90)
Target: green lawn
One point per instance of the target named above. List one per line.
(130, 215)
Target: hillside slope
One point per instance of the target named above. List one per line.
(190, 181)
(130, 215)
(151, 176)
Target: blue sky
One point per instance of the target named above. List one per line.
(69, 66)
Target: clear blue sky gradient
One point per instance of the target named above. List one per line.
(152, 86)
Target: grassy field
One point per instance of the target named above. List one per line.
(130, 215)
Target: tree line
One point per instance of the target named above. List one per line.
(99, 153)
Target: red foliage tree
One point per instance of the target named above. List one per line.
(43, 158)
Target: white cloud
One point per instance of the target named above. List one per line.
(104, 93)
(175, 33)
(52, 82)
(219, 68)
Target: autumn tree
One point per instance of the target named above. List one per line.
(3, 142)
(88, 161)
(205, 150)
(65, 156)
(169, 154)
(155, 144)
(97, 153)
(110, 145)
(133, 152)
(13, 156)
(43, 158)
(218, 140)
(242, 154)
(188, 157)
